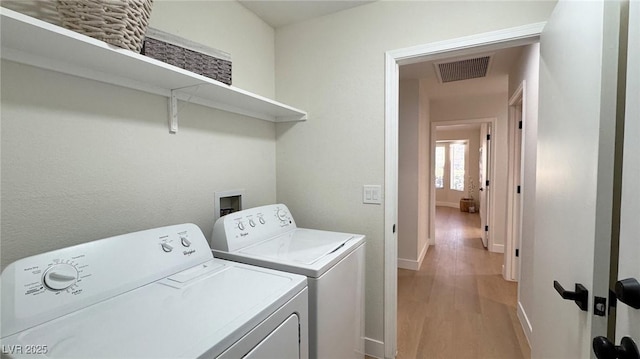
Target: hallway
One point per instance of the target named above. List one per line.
(458, 305)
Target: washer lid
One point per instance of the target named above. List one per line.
(299, 246)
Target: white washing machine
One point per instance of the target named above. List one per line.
(333, 263)
(151, 294)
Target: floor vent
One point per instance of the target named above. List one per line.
(463, 69)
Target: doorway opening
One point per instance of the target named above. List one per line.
(471, 45)
(474, 195)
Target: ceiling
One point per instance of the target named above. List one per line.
(495, 81)
(278, 13)
(465, 127)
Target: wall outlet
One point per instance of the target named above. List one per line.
(372, 194)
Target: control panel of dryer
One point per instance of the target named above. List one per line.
(243, 228)
(49, 285)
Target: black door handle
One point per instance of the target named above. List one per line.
(628, 292)
(605, 349)
(580, 296)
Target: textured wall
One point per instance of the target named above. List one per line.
(83, 160)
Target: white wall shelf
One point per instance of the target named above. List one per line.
(37, 43)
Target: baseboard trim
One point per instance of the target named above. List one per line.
(524, 322)
(407, 264)
(373, 348)
(496, 248)
(423, 252)
(448, 204)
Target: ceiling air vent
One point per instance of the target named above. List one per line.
(463, 69)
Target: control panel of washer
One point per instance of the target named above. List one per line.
(49, 285)
(243, 228)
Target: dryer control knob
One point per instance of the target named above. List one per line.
(282, 214)
(261, 220)
(241, 226)
(252, 223)
(60, 276)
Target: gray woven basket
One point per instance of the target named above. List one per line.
(188, 55)
(122, 23)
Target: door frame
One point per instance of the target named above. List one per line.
(515, 206)
(484, 42)
(493, 121)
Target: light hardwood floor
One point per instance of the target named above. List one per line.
(458, 305)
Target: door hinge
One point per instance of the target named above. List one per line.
(520, 125)
(518, 189)
(299, 334)
(486, 228)
(394, 228)
(488, 137)
(613, 300)
(487, 183)
(517, 252)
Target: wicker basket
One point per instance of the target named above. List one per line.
(122, 23)
(188, 55)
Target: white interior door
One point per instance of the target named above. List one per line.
(628, 318)
(483, 190)
(517, 199)
(574, 180)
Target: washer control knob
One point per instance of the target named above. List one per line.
(252, 223)
(166, 247)
(185, 241)
(261, 220)
(241, 226)
(60, 276)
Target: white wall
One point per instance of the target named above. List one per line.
(409, 105)
(527, 69)
(413, 174)
(447, 195)
(485, 106)
(83, 160)
(333, 67)
(227, 26)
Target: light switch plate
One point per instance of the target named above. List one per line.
(372, 194)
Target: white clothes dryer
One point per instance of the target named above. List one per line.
(152, 294)
(333, 263)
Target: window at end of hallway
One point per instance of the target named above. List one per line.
(457, 166)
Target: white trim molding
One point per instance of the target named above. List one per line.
(392, 81)
(413, 264)
(524, 322)
(447, 204)
(373, 348)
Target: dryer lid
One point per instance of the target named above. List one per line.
(302, 246)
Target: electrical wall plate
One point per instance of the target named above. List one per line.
(372, 194)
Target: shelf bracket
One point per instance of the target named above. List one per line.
(173, 112)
